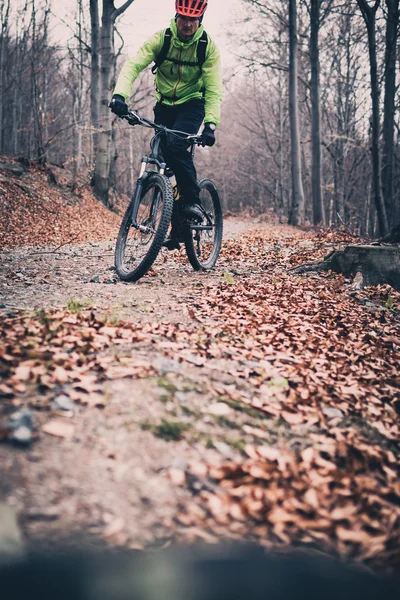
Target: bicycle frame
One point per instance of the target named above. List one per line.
(154, 159)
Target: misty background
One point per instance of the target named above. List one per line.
(310, 123)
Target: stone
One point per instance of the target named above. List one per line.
(22, 435)
(62, 403)
(332, 413)
(21, 418)
(166, 365)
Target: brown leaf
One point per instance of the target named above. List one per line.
(59, 429)
(293, 418)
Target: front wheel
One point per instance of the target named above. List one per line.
(138, 245)
(203, 240)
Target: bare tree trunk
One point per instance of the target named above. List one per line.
(102, 170)
(392, 24)
(75, 143)
(369, 14)
(298, 204)
(95, 73)
(316, 187)
(4, 13)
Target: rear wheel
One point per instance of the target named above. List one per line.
(203, 240)
(137, 247)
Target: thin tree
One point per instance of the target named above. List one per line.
(316, 187)
(4, 33)
(298, 204)
(369, 14)
(392, 24)
(102, 168)
(95, 72)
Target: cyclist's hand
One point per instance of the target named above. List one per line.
(118, 106)
(208, 135)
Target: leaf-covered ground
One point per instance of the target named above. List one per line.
(38, 206)
(246, 403)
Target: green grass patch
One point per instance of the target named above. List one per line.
(188, 411)
(77, 306)
(224, 422)
(239, 445)
(242, 407)
(171, 431)
(42, 316)
(166, 384)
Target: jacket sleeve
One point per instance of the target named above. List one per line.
(136, 64)
(212, 78)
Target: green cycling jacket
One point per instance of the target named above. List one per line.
(176, 84)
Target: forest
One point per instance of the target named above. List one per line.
(310, 107)
(239, 385)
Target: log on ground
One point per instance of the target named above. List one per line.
(377, 264)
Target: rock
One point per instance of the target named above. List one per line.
(95, 279)
(21, 425)
(219, 409)
(21, 418)
(22, 435)
(62, 403)
(166, 365)
(332, 413)
(11, 543)
(11, 168)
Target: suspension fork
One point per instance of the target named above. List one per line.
(143, 176)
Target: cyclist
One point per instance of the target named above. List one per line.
(188, 90)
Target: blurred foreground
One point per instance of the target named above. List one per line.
(197, 573)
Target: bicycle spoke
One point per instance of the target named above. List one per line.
(138, 245)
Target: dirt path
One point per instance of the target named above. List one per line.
(42, 278)
(111, 479)
(292, 379)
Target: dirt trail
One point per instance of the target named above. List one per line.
(42, 278)
(111, 479)
(294, 379)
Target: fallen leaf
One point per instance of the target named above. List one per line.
(59, 429)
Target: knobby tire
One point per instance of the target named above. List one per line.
(190, 244)
(162, 183)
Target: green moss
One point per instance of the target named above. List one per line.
(171, 430)
(239, 445)
(209, 443)
(146, 426)
(166, 384)
(279, 382)
(77, 306)
(188, 411)
(224, 422)
(42, 316)
(242, 407)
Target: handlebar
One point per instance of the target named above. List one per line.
(134, 118)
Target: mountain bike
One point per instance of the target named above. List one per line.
(156, 203)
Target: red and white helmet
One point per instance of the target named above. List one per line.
(191, 8)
